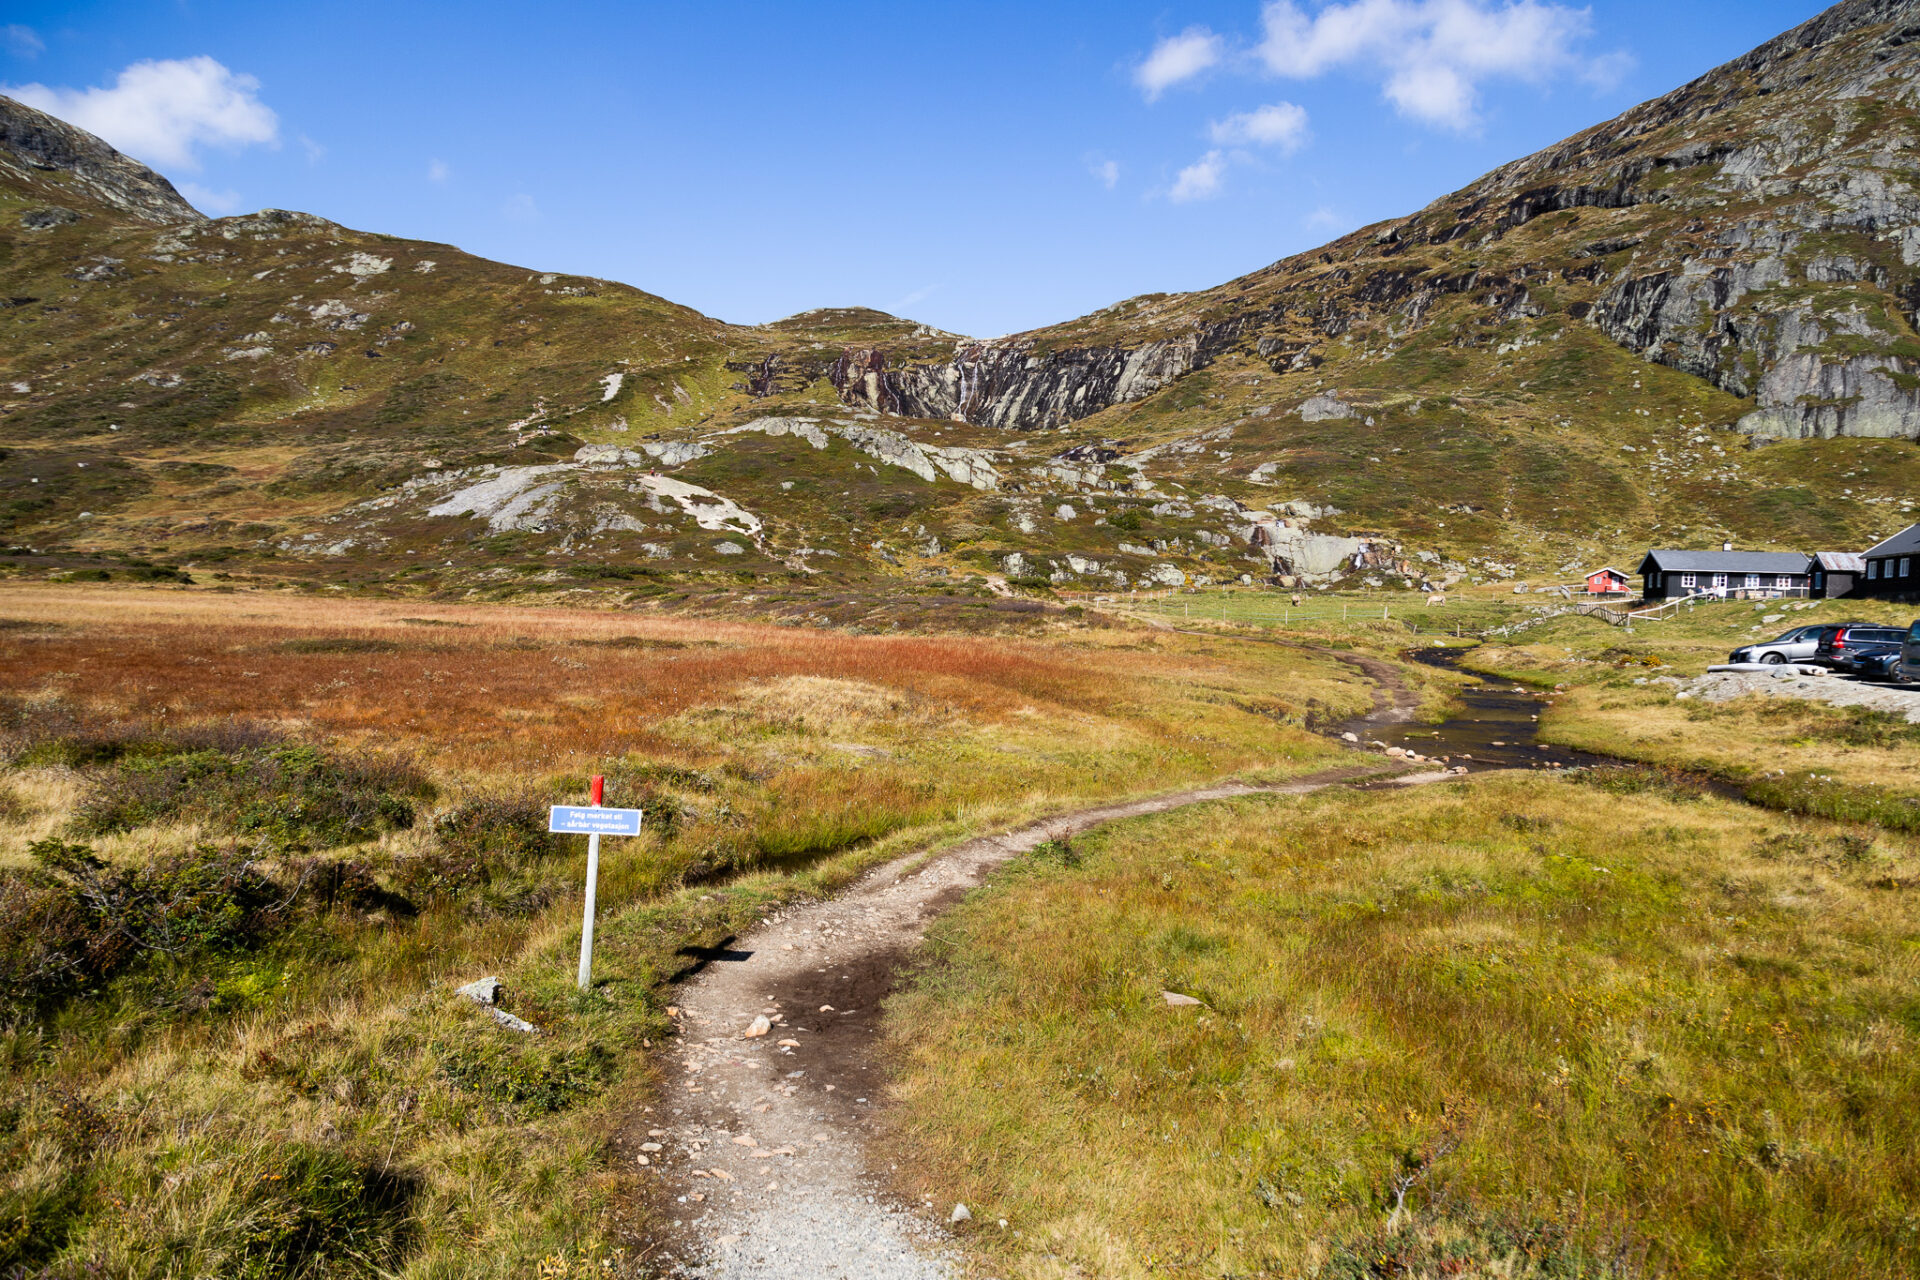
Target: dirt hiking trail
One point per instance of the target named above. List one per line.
(759, 1143)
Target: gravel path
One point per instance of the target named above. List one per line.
(760, 1142)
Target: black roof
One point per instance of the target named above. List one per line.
(1904, 543)
(1727, 562)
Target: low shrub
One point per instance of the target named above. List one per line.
(56, 733)
(507, 830)
(476, 845)
(290, 797)
(75, 920)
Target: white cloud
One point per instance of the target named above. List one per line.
(315, 151)
(900, 306)
(162, 112)
(437, 171)
(21, 42)
(1178, 58)
(1325, 219)
(521, 208)
(1280, 124)
(218, 203)
(1106, 171)
(1201, 179)
(1432, 55)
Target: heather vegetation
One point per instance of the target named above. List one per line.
(245, 860)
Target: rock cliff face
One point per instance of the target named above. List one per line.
(1019, 384)
(33, 141)
(1758, 228)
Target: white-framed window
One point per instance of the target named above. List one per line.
(1753, 581)
(1719, 582)
(1906, 563)
(1688, 579)
(1784, 581)
(1873, 568)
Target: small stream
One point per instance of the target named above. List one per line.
(1497, 728)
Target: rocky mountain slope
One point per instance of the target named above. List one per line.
(1693, 322)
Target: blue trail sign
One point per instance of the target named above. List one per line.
(593, 820)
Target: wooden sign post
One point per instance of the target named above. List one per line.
(592, 821)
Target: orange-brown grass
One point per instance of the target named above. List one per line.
(547, 686)
(779, 762)
(1590, 1033)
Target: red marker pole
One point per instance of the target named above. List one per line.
(593, 880)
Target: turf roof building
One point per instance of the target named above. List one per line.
(1752, 575)
(1893, 567)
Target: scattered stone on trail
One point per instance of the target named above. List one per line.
(1350, 737)
(789, 1044)
(826, 1008)
(1176, 999)
(759, 1027)
(960, 1214)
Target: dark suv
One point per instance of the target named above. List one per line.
(1844, 647)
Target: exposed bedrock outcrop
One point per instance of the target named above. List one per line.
(36, 140)
(1018, 386)
(1758, 228)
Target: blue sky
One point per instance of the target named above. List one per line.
(986, 167)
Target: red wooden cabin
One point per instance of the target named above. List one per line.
(1607, 582)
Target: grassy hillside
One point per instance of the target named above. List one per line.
(1685, 325)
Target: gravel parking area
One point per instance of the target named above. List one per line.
(1811, 683)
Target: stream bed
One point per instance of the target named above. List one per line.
(1497, 727)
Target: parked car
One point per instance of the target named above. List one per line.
(1838, 645)
(1908, 667)
(1797, 645)
(1873, 662)
(1868, 657)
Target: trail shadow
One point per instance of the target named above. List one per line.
(704, 956)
